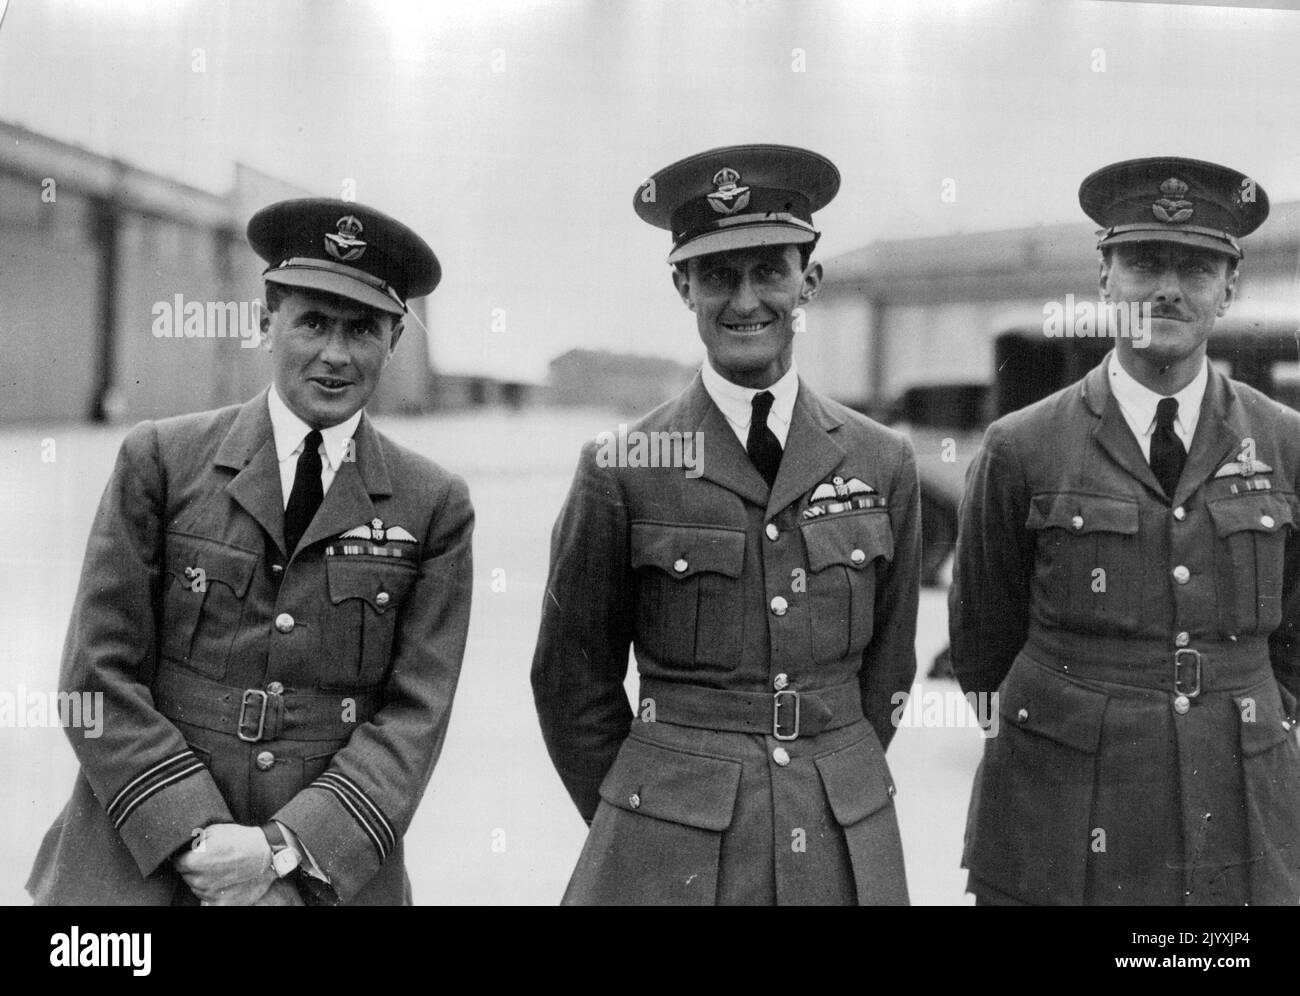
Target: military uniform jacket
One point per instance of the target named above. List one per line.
(1144, 651)
(241, 684)
(719, 585)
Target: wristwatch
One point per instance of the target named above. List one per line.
(284, 859)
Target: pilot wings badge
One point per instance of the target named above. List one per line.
(1246, 464)
(839, 489)
(373, 539)
(839, 495)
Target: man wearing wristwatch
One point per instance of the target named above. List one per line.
(274, 604)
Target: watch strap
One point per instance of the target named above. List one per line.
(274, 836)
(279, 845)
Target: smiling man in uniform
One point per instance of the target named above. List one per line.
(769, 593)
(274, 604)
(1128, 582)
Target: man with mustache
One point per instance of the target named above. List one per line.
(769, 589)
(1128, 582)
(274, 602)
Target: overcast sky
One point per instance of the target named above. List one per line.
(514, 135)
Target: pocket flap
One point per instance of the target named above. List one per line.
(1257, 512)
(691, 789)
(1035, 700)
(857, 780)
(849, 539)
(1263, 723)
(382, 585)
(684, 550)
(1083, 513)
(193, 560)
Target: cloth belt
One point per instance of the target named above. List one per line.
(254, 714)
(786, 715)
(1202, 666)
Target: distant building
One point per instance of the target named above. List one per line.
(459, 391)
(623, 382)
(99, 260)
(895, 314)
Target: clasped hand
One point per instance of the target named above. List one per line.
(230, 865)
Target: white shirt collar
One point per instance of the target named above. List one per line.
(1138, 402)
(290, 431)
(736, 402)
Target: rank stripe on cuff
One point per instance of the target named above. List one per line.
(150, 782)
(365, 812)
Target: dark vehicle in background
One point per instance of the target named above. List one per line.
(946, 423)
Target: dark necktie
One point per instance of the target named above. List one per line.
(307, 492)
(1167, 452)
(762, 446)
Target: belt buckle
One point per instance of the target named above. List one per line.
(776, 715)
(250, 694)
(1179, 664)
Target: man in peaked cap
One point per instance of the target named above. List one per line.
(274, 604)
(768, 586)
(1127, 581)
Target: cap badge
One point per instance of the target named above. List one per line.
(345, 246)
(1171, 208)
(728, 198)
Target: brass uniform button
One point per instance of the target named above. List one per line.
(1077, 522)
(1182, 575)
(1183, 639)
(771, 531)
(1180, 513)
(381, 599)
(1022, 715)
(275, 688)
(1181, 704)
(265, 759)
(779, 606)
(1267, 521)
(781, 756)
(634, 801)
(284, 622)
(680, 565)
(781, 682)
(858, 557)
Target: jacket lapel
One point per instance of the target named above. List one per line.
(1113, 433)
(723, 461)
(810, 451)
(808, 456)
(249, 449)
(1219, 432)
(347, 503)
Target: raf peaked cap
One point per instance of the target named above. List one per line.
(344, 248)
(738, 196)
(1168, 199)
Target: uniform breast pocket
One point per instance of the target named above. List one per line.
(360, 623)
(1088, 568)
(1252, 531)
(688, 607)
(847, 557)
(203, 602)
